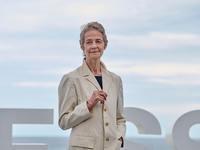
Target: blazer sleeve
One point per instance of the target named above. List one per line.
(70, 112)
(121, 122)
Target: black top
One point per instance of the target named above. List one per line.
(99, 79)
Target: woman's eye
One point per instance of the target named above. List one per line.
(88, 42)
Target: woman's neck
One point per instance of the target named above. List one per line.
(94, 66)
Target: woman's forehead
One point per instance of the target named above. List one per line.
(91, 34)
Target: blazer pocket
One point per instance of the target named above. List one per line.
(118, 146)
(83, 142)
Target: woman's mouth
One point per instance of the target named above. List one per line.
(94, 52)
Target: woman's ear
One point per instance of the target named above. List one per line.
(81, 47)
(105, 46)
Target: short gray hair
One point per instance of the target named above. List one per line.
(92, 25)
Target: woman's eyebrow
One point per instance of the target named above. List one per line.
(88, 39)
(99, 39)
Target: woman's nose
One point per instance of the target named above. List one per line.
(94, 45)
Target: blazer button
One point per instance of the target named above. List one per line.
(107, 139)
(106, 124)
(105, 109)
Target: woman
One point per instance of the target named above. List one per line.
(91, 98)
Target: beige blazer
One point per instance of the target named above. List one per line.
(100, 128)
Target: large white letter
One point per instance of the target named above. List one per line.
(145, 122)
(8, 117)
(177, 133)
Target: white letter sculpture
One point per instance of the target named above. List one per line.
(177, 133)
(145, 122)
(8, 117)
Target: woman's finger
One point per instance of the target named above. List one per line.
(102, 93)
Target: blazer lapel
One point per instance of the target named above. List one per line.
(106, 78)
(89, 76)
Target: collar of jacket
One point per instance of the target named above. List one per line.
(106, 78)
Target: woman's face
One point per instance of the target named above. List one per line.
(93, 44)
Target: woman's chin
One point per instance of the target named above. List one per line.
(96, 56)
